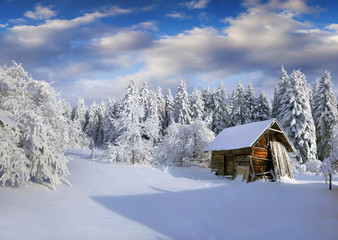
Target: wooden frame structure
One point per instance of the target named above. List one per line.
(263, 156)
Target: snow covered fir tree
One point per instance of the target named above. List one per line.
(147, 127)
(33, 147)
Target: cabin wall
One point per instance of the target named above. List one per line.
(217, 162)
(261, 155)
(226, 162)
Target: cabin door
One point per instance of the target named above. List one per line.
(229, 164)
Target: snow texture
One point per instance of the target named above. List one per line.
(120, 201)
(237, 137)
(6, 118)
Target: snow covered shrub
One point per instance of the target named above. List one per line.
(310, 168)
(187, 141)
(41, 131)
(313, 166)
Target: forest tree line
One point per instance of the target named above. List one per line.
(150, 127)
(307, 115)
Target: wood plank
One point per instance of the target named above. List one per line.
(263, 159)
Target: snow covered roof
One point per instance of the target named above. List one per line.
(6, 118)
(242, 136)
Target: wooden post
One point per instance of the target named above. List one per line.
(330, 181)
(264, 175)
(253, 171)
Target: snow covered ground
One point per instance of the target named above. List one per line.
(120, 201)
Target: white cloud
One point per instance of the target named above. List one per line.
(200, 4)
(52, 31)
(333, 26)
(251, 47)
(40, 13)
(149, 25)
(178, 15)
(3, 25)
(296, 6)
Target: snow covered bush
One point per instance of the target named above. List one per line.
(187, 141)
(313, 166)
(41, 134)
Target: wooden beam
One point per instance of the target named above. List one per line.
(275, 130)
(261, 158)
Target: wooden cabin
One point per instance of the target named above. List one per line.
(252, 151)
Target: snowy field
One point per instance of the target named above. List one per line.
(119, 201)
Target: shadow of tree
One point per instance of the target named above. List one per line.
(245, 211)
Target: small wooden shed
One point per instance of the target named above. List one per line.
(252, 151)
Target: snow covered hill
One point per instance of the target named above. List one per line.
(119, 201)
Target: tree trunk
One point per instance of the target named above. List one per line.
(330, 181)
(133, 158)
(93, 148)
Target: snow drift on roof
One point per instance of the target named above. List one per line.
(6, 118)
(237, 137)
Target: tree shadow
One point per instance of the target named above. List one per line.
(228, 212)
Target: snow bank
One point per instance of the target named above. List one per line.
(121, 201)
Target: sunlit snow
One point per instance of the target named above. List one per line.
(121, 201)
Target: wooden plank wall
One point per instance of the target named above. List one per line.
(261, 151)
(241, 160)
(217, 162)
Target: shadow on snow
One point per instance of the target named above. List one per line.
(232, 211)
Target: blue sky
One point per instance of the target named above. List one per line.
(93, 48)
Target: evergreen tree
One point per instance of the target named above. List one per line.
(144, 99)
(250, 105)
(92, 128)
(209, 106)
(325, 114)
(161, 109)
(221, 115)
(296, 118)
(101, 112)
(34, 147)
(237, 102)
(80, 113)
(168, 108)
(131, 145)
(181, 107)
(329, 166)
(264, 107)
(67, 110)
(314, 93)
(152, 125)
(109, 128)
(196, 105)
(280, 97)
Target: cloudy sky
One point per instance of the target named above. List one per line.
(93, 48)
